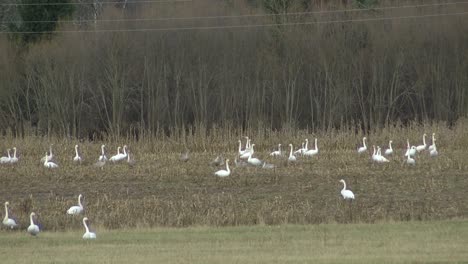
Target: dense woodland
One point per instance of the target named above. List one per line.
(313, 67)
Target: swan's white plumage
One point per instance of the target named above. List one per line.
(224, 173)
(76, 209)
(312, 152)
(49, 164)
(276, 153)
(291, 157)
(77, 157)
(33, 229)
(8, 222)
(347, 194)
(14, 159)
(6, 159)
(433, 152)
(423, 146)
(364, 147)
(103, 157)
(87, 234)
(389, 151)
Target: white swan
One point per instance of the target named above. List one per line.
(254, 161)
(247, 151)
(103, 157)
(48, 157)
(8, 222)
(299, 151)
(276, 153)
(423, 146)
(433, 140)
(14, 159)
(411, 150)
(241, 152)
(5, 159)
(291, 158)
(347, 194)
(389, 151)
(306, 146)
(87, 234)
(312, 152)
(76, 209)
(364, 147)
(374, 154)
(117, 156)
(49, 164)
(433, 152)
(409, 159)
(247, 143)
(33, 229)
(124, 153)
(381, 158)
(77, 157)
(224, 173)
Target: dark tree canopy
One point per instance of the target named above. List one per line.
(44, 11)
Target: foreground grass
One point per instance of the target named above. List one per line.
(443, 241)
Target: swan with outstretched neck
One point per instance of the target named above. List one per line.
(117, 156)
(224, 173)
(254, 161)
(423, 146)
(77, 157)
(276, 153)
(248, 150)
(103, 156)
(433, 140)
(49, 156)
(347, 194)
(409, 159)
(5, 159)
(242, 152)
(87, 234)
(33, 229)
(8, 222)
(364, 147)
(14, 159)
(76, 209)
(312, 152)
(291, 158)
(380, 157)
(389, 151)
(433, 152)
(411, 150)
(49, 164)
(300, 151)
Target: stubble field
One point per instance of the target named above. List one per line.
(161, 191)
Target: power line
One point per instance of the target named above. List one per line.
(245, 16)
(100, 3)
(240, 26)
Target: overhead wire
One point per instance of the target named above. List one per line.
(248, 15)
(242, 26)
(100, 3)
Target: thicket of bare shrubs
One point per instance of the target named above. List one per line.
(320, 76)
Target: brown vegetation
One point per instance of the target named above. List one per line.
(322, 76)
(160, 190)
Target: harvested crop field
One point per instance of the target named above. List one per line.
(160, 190)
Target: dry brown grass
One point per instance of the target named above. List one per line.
(162, 191)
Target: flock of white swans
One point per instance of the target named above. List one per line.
(33, 229)
(245, 159)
